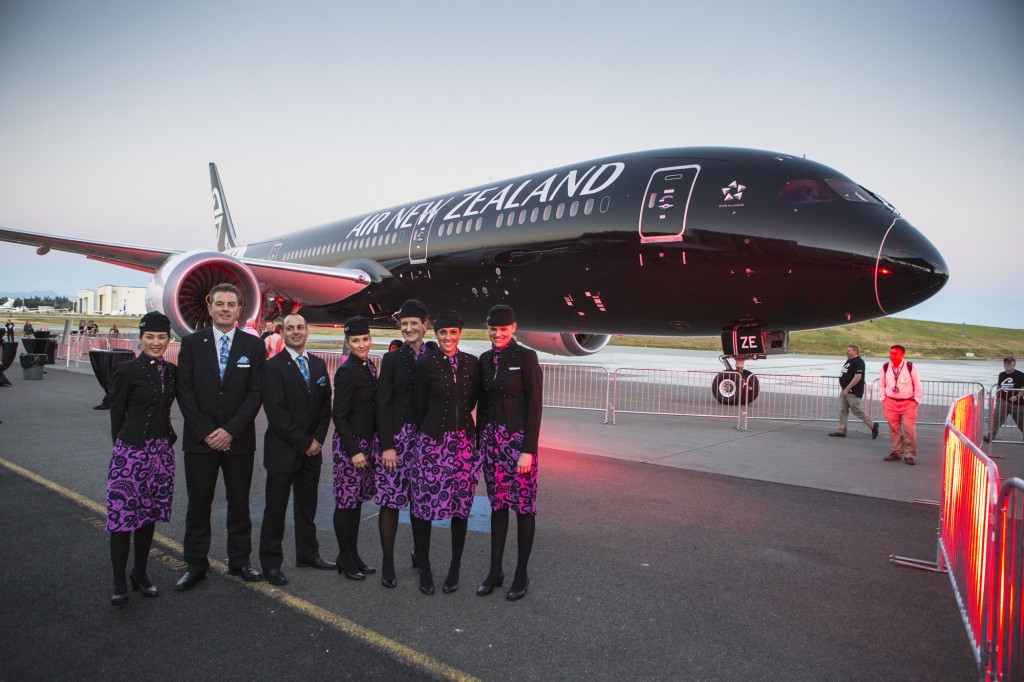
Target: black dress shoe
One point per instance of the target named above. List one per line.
(364, 569)
(189, 580)
(119, 600)
(247, 572)
(515, 594)
(427, 589)
(451, 582)
(317, 563)
(390, 584)
(486, 588)
(276, 577)
(874, 431)
(357, 575)
(143, 585)
(837, 434)
(892, 457)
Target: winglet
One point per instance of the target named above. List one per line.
(221, 215)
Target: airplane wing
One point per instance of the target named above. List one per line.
(136, 257)
(310, 284)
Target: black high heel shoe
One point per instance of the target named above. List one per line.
(349, 573)
(451, 582)
(119, 600)
(514, 594)
(486, 588)
(144, 586)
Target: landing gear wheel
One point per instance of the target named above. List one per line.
(730, 389)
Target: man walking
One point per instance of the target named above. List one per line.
(901, 394)
(851, 381)
(219, 395)
(297, 402)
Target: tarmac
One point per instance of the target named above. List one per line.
(667, 549)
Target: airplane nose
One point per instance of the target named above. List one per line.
(909, 269)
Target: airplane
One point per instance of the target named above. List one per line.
(700, 241)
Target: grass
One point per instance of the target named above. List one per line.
(932, 340)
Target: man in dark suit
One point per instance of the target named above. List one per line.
(297, 402)
(219, 395)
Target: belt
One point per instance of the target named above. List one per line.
(900, 400)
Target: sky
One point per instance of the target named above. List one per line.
(314, 111)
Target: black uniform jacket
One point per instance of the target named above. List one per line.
(140, 404)
(394, 395)
(354, 407)
(444, 402)
(207, 403)
(513, 393)
(295, 416)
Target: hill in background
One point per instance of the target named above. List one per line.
(937, 340)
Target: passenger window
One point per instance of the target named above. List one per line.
(479, 223)
(547, 211)
(560, 211)
(500, 220)
(588, 207)
(522, 216)
(574, 209)
(533, 214)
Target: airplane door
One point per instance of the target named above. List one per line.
(273, 251)
(666, 202)
(419, 238)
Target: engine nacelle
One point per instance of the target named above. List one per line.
(179, 288)
(564, 343)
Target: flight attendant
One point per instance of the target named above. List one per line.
(355, 445)
(396, 429)
(446, 470)
(509, 412)
(140, 480)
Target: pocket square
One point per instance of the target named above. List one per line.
(514, 369)
(244, 360)
(321, 381)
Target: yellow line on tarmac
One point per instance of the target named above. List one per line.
(396, 649)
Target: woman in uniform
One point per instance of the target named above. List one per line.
(509, 411)
(355, 446)
(396, 429)
(140, 480)
(446, 471)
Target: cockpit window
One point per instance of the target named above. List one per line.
(806, 192)
(851, 191)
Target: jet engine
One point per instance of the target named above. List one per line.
(179, 288)
(564, 343)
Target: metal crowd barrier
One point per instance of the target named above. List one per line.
(794, 396)
(1003, 657)
(981, 545)
(999, 410)
(669, 391)
(577, 387)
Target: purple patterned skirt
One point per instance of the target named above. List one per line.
(140, 484)
(353, 486)
(444, 477)
(499, 455)
(393, 486)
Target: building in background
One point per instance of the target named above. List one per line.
(111, 299)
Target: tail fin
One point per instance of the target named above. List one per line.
(221, 215)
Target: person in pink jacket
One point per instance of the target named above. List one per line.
(901, 393)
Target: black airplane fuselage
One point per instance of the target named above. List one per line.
(667, 242)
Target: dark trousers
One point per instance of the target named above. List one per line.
(302, 484)
(201, 482)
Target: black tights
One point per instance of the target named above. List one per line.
(526, 525)
(387, 522)
(346, 529)
(120, 543)
(421, 547)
